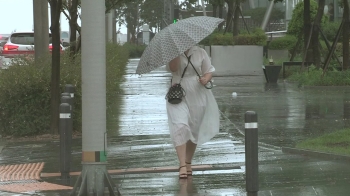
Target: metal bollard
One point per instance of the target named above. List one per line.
(65, 128)
(65, 98)
(251, 153)
(71, 90)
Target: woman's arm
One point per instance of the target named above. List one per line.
(174, 64)
(206, 78)
(207, 68)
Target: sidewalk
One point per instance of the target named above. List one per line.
(140, 140)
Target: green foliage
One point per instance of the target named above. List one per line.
(330, 30)
(151, 12)
(296, 25)
(313, 77)
(25, 86)
(257, 37)
(257, 14)
(221, 39)
(135, 51)
(287, 42)
(337, 142)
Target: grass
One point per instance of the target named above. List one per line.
(337, 143)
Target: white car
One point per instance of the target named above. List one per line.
(21, 43)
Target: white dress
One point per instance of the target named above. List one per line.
(197, 117)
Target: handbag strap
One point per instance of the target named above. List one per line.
(189, 61)
(183, 73)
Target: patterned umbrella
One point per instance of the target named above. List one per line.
(174, 40)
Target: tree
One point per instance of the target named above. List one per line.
(55, 9)
(151, 13)
(129, 15)
(70, 10)
(346, 15)
(315, 34)
(218, 4)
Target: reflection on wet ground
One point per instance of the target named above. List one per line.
(286, 114)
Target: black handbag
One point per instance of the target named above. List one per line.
(176, 92)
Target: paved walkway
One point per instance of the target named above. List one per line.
(140, 140)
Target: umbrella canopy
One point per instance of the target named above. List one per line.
(174, 40)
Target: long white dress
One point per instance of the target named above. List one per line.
(197, 117)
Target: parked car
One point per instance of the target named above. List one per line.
(3, 40)
(22, 43)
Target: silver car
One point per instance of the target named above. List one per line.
(21, 43)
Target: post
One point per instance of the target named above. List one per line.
(251, 153)
(69, 88)
(65, 127)
(94, 176)
(41, 28)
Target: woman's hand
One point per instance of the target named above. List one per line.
(174, 64)
(205, 79)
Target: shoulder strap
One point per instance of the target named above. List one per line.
(189, 61)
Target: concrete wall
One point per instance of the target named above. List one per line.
(236, 60)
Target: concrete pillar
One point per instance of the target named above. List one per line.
(41, 28)
(93, 94)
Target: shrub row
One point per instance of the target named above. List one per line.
(257, 37)
(25, 91)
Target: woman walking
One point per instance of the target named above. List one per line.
(196, 119)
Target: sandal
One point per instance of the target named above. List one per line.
(183, 175)
(189, 171)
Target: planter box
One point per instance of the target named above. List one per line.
(278, 54)
(271, 73)
(236, 60)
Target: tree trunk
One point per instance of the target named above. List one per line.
(73, 12)
(221, 15)
(315, 35)
(346, 35)
(307, 29)
(236, 18)
(55, 6)
(215, 7)
(229, 16)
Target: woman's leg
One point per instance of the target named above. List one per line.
(181, 154)
(190, 149)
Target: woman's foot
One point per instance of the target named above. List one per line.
(189, 168)
(182, 172)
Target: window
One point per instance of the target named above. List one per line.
(25, 38)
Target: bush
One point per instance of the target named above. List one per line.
(330, 30)
(221, 39)
(135, 51)
(287, 42)
(313, 77)
(25, 91)
(296, 25)
(257, 37)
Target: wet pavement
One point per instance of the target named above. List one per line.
(139, 139)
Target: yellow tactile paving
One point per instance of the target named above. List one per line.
(27, 171)
(25, 178)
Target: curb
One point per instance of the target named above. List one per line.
(316, 154)
(156, 170)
